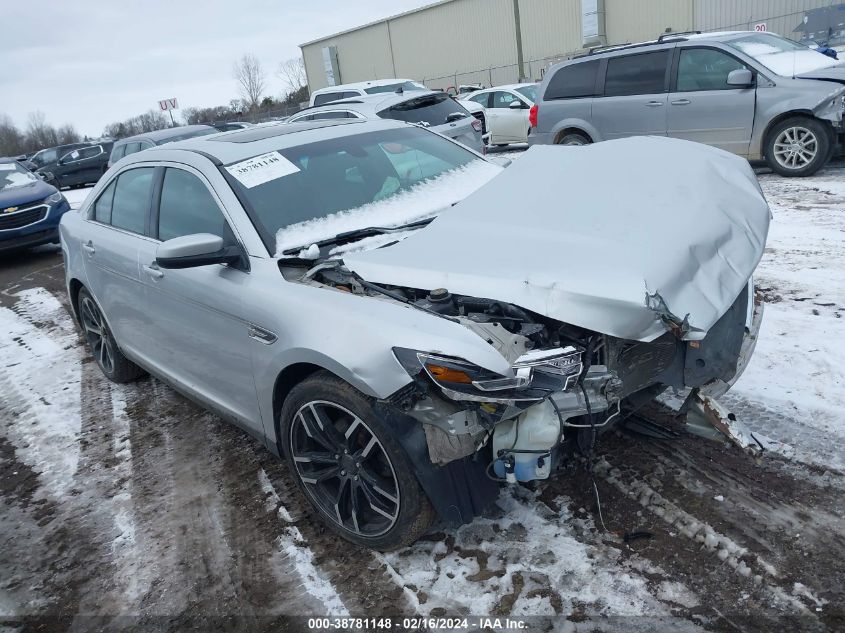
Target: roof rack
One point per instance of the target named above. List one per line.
(328, 103)
(679, 35)
(607, 47)
(666, 37)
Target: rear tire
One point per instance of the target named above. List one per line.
(104, 349)
(349, 466)
(574, 138)
(799, 146)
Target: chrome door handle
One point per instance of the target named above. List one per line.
(154, 271)
(653, 104)
(89, 248)
(681, 102)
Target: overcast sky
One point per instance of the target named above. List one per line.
(91, 62)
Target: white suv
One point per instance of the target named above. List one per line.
(347, 91)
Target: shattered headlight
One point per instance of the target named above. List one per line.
(532, 378)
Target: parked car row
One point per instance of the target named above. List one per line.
(428, 108)
(757, 95)
(131, 144)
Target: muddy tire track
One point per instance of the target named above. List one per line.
(758, 546)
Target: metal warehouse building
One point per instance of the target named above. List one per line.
(455, 42)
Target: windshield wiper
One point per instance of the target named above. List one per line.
(357, 234)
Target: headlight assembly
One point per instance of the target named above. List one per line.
(55, 198)
(532, 377)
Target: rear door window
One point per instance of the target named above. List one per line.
(334, 114)
(131, 148)
(118, 153)
(85, 152)
(577, 80)
(641, 74)
(132, 200)
(326, 97)
(502, 99)
(482, 100)
(187, 207)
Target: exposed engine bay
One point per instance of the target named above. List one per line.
(566, 383)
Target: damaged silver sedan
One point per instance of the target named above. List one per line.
(409, 323)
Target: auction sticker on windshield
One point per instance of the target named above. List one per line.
(260, 169)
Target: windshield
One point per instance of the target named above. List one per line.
(13, 175)
(45, 156)
(780, 55)
(530, 92)
(341, 184)
(433, 109)
(405, 85)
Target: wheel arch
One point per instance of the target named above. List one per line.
(572, 130)
(783, 116)
(74, 286)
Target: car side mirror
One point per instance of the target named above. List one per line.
(199, 249)
(741, 77)
(516, 105)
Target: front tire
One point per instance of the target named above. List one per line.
(799, 146)
(349, 466)
(104, 349)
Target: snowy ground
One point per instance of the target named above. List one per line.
(130, 502)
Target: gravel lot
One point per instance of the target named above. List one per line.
(128, 505)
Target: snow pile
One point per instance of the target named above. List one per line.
(424, 200)
(532, 557)
(76, 197)
(794, 387)
(786, 63)
(40, 386)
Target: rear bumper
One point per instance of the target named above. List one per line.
(539, 138)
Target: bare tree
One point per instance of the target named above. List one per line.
(38, 132)
(148, 122)
(292, 72)
(251, 80)
(67, 134)
(12, 141)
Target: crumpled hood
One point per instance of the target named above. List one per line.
(615, 237)
(835, 73)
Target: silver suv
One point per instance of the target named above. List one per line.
(435, 110)
(757, 95)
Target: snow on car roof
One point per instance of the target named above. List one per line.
(362, 84)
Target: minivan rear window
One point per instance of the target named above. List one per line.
(577, 80)
(641, 74)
